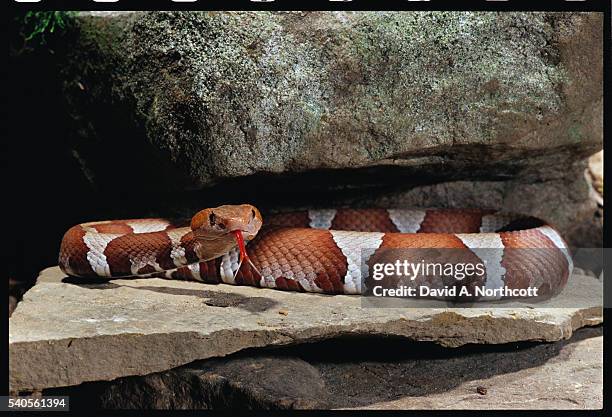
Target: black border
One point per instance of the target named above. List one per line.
(226, 5)
(604, 6)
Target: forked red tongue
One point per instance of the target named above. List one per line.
(243, 253)
(241, 246)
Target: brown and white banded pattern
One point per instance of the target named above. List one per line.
(321, 250)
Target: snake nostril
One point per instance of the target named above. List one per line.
(221, 225)
(212, 218)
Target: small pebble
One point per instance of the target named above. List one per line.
(283, 312)
(481, 390)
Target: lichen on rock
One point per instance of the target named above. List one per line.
(217, 95)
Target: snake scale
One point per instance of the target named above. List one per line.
(319, 251)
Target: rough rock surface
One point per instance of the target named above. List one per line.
(553, 377)
(370, 373)
(64, 333)
(251, 383)
(442, 95)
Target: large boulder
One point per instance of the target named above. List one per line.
(186, 100)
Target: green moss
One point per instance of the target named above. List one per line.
(40, 25)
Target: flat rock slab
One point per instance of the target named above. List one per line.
(64, 333)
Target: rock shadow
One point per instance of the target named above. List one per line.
(218, 299)
(211, 298)
(359, 373)
(91, 283)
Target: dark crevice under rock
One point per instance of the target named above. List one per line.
(339, 373)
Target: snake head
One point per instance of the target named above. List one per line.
(222, 221)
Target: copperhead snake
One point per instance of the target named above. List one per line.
(312, 251)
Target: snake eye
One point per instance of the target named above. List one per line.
(212, 218)
(252, 214)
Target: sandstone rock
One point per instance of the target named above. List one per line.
(370, 373)
(64, 333)
(596, 173)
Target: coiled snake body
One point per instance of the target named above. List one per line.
(322, 251)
